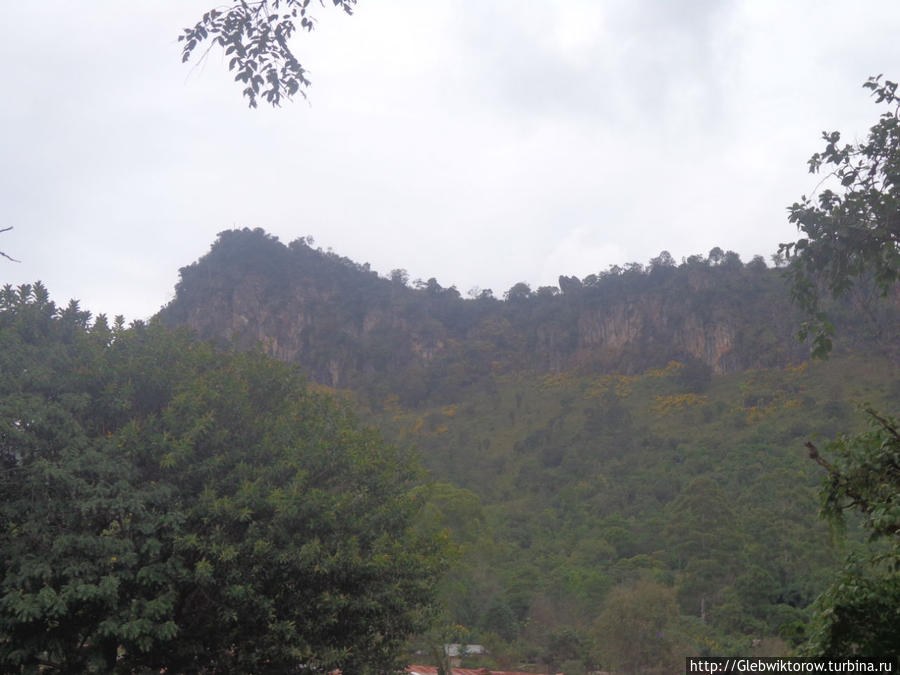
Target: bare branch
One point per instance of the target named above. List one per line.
(821, 461)
(8, 257)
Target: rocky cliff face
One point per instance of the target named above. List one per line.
(345, 325)
(615, 328)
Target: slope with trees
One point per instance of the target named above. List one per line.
(593, 483)
(592, 451)
(351, 328)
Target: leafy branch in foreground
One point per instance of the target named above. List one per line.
(866, 476)
(852, 238)
(851, 233)
(860, 613)
(255, 35)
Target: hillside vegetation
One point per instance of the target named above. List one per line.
(565, 491)
(621, 453)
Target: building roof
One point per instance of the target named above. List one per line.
(455, 649)
(432, 670)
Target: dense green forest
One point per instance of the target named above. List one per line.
(167, 506)
(626, 445)
(302, 466)
(578, 489)
(615, 471)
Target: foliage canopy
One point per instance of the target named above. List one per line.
(166, 505)
(860, 612)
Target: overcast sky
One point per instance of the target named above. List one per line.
(480, 142)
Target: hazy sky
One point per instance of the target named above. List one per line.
(481, 142)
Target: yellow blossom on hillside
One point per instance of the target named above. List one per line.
(668, 404)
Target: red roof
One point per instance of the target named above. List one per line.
(432, 670)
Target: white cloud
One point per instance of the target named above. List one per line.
(581, 252)
(479, 143)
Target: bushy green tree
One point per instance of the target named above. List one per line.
(164, 505)
(860, 612)
(852, 236)
(634, 630)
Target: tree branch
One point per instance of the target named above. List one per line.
(821, 461)
(884, 423)
(8, 257)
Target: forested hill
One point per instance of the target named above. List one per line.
(351, 328)
(615, 457)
